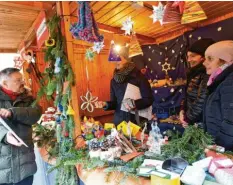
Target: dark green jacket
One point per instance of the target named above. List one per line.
(18, 163)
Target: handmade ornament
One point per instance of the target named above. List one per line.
(57, 65)
(171, 14)
(113, 54)
(180, 5)
(88, 102)
(50, 42)
(18, 62)
(134, 47)
(127, 26)
(219, 163)
(86, 29)
(89, 55)
(192, 12)
(97, 46)
(154, 140)
(70, 111)
(166, 67)
(158, 12)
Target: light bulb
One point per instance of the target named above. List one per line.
(117, 48)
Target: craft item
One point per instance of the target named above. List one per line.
(218, 163)
(145, 171)
(158, 12)
(127, 26)
(204, 163)
(134, 47)
(130, 156)
(164, 177)
(108, 126)
(224, 176)
(171, 14)
(193, 176)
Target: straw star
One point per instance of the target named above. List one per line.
(158, 12)
(127, 25)
(98, 46)
(88, 102)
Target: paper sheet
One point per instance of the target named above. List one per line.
(133, 92)
(13, 133)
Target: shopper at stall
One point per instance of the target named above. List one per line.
(124, 74)
(218, 112)
(17, 162)
(196, 89)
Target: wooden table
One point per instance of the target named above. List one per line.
(98, 177)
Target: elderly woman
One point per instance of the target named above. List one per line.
(218, 113)
(124, 74)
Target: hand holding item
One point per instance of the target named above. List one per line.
(181, 118)
(129, 104)
(12, 140)
(100, 104)
(5, 113)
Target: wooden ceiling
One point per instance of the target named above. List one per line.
(16, 18)
(111, 14)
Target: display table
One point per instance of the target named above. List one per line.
(98, 177)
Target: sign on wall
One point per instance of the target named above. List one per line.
(42, 32)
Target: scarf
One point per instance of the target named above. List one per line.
(216, 73)
(120, 75)
(11, 94)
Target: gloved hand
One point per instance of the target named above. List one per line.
(10, 139)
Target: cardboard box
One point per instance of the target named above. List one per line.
(164, 177)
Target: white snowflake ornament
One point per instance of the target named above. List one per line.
(98, 46)
(88, 102)
(158, 12)
(127, 26)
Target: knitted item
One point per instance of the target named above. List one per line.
(11, 94)
(222, 50)
(218, 71)
(121, 74)
(86, 29)
(200, 46)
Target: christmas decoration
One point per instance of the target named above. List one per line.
(58, 72)
(166, 67)
(179, 4)
(193, 175)
(127, 26)
(50, 42)
(192, 12)
(113, 54)
(134, 47)
(86, 29)
(171, 14)
(88, 102)
(89, 55)
(158, 12)
(98, 46)
(18, 62)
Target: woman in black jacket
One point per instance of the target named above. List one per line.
(218, 113)
(124, 74)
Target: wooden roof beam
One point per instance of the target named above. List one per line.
(8, 50)
(36, 6)
(111, 29)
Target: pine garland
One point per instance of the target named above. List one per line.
(51, 86)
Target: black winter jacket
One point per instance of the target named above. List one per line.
(196, 93)
(218, 119)
(117, 93)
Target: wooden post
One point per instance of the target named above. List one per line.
(64, 9)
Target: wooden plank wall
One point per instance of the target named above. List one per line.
(100, 73)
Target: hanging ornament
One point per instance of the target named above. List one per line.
(88, 102)
(89, 55)
(134, 47)
(86, 29)
(50, 42)
(171, 14)
(127, 26)
(158, 12)
(57, 65)
(166, 67)
(70, 111)
(18, 62)
(192, 12)
(179, 4)
(113, 55)
(98, 46)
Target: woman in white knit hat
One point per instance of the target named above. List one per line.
(218, 112)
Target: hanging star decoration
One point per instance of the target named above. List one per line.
(18, 62)
(89, 55)
(127, 26)
(158, 12)
(98, 46)
(166, 67)
(88, 102)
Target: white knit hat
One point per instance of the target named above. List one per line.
(222, 50)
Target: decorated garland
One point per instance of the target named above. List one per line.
(56, 85)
